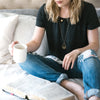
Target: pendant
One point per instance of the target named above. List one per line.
(64, 46)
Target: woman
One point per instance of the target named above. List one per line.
(72, 32)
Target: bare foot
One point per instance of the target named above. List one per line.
(74, 88)
(94, 98)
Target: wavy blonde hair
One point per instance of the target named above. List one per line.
(54, 11)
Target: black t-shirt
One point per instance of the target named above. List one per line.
(76, 36)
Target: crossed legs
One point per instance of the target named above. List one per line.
(50, 70)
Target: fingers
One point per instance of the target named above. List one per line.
(68, 62)
(72, 65)
(11, 47)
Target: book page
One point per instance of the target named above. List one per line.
(54, 91)
(38, 89)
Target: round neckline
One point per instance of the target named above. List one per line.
(64, 18)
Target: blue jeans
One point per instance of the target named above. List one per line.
(86, 66)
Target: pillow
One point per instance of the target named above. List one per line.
(7, 26)
(25, 28)
(24, 32)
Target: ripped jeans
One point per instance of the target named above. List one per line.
(86, 66)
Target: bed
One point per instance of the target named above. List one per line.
(17, 28)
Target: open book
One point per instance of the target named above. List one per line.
(37, 89)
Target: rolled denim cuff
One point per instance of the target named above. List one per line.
(92, 92)
(61, 77)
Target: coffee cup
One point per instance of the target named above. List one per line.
(19, 53)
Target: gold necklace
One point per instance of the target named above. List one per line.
(63, 37)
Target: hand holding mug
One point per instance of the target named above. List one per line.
(11, 47)
(18, 51)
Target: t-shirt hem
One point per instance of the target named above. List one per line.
(93, 27)
(40, 26)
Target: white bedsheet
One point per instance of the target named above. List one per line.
(9, 73)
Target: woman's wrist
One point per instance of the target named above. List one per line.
(78, 51)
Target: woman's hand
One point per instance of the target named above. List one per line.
(11, 47)
(69, 59)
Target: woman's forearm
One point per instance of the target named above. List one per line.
(93, 46)
(32, 46)
(93, 41)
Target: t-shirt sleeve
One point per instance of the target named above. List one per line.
(40, 20)
(92, 18)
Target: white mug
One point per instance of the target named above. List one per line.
(19, 53)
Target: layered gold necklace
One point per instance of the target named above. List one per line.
(62, 35)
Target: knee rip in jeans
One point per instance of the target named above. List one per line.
(91, 56)
(88, 53)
